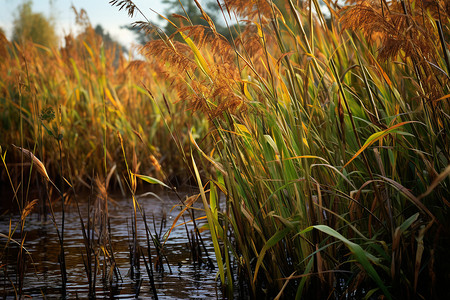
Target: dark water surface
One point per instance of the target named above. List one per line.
(188, 280)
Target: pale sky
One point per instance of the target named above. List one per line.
(99, 12)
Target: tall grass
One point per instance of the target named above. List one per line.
(330, 144)
(94, 96)
(319, 143)
(66, 108)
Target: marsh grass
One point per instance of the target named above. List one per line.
(318, 142)
(63, 107)
(95, 96)
(329, 144)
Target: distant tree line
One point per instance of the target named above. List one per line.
(33, 26)
(182, 15)
(28, 25)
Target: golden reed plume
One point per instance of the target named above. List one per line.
(409, 30)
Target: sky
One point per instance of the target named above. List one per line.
(99, 12)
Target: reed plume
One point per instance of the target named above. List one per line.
(213, 92)
(406, 30)
(255, 10)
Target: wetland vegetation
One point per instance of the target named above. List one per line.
(310, 143)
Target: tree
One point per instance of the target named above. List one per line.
(108, 41)
(173, 13)
(110, 44)
(189, 8)
(28, 25)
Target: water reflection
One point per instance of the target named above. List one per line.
(187, 281)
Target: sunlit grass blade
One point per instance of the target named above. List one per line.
(151, 180)
(375, 137)
(212, 228)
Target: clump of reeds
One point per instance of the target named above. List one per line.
(330, 147)
(91, 85)
(89, 89)
(99, 255)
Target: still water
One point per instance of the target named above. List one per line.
(187, 280)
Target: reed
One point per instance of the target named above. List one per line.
(96, 95)
(328, 143)
(316, 135)
(55, 103)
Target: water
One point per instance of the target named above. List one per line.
(188, 280)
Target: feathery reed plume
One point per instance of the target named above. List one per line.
(407, 31)
(39, 165)
(148, 28)
(81, 17)
(389, 24)
(175, 53)
(129, 6)
(261, 11)
(206, 17)
(212, 94)
(4, 44)
(28, 209)
(206, 37)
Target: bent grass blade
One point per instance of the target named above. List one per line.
(361, 256)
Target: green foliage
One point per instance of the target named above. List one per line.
(181, 13)
(28, 25)
(108, 40)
